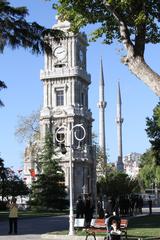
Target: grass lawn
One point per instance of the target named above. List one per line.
(146, 227)
(27, 214)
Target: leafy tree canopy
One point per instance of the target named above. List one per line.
(15, 31)
(153, 132)
(149, 172)
(150, 160)
(116, 184)
(134, 23)
(13, 185)
(10, 183)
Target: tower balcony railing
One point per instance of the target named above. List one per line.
(66, 72)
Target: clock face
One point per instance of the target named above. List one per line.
(60, 52)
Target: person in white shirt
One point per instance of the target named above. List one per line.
(115, 232)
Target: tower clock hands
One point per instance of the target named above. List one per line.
(60, 52)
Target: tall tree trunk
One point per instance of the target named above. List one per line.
(141, 69)
(134, 59)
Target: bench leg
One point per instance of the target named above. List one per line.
(124, 236)
(90, 236)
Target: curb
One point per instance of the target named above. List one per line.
(66, 237)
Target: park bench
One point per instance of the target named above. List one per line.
(124, 226)
(97, 226)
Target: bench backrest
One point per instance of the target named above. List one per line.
(79, 222)
(123, 223)
(98, 223)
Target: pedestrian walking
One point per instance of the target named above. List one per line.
(140, 204)
(79, 207)
(100, 209)
(150, 205)
(13, 215)
(89, 208)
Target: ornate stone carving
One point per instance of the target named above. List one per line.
(59, 111)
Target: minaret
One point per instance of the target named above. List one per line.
(119, 121)
(102, 105)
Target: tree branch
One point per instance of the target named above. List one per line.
(124, 33)
(141, 30)
(134, 59)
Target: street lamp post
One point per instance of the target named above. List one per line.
(74, 130)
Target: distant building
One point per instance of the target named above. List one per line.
(131, 164)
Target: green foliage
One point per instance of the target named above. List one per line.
(14, 186)
(144, 227)
(48, 191)
(153, 132)
(15, 31)
(10, 183)
(2, 86)
(150, 161)
(116, 184)
(149, 172)
(140, 17)
(147, 158)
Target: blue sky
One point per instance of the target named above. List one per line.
(20, 70)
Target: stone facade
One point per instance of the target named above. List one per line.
(65, 104)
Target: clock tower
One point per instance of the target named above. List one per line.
(65, 104)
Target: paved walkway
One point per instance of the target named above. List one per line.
(33, 228)
(40, 227)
